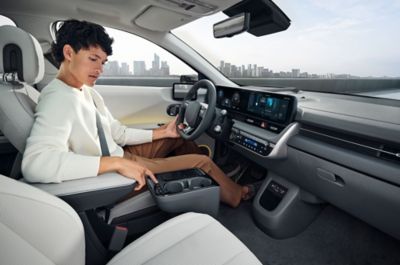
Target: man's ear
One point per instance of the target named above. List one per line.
(68, 51)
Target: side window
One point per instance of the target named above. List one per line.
(136, 61)
(6, 21)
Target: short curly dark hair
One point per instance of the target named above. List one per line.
(80, 35)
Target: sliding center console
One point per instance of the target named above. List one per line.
(189, 190)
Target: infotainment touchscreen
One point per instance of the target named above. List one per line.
(268, 106)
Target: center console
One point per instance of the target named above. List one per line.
(281, 209)
(262, 121)
(190, 190)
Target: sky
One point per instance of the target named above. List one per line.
(342, 36)
(357, 37)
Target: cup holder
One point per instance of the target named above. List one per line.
(189, 190)
(178, 186)
(199, 182)
(173, 187)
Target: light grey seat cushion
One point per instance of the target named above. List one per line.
(190, 238)
(37, 228)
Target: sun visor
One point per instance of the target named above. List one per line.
(160, 19)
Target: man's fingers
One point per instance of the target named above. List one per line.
(151, 175)
(140, 182)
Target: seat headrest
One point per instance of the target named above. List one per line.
(20, 53)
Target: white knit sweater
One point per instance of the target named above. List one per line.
(64, 142)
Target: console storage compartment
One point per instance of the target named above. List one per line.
(189, 190)
(281, 209)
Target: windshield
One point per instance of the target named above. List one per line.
(331, 46)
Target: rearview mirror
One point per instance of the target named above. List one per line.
(232, 26)
(265, 16)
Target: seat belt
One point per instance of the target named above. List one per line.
(120, 233)
(100, 132)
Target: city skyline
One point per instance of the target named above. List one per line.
(158, 68)
(255, 71)
(161, 68)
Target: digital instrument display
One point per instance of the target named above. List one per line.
(268, 110)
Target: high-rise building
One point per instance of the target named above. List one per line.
(249, 71)
(227, 69)
(234, 71)
(295, 73)
(111, 68)
(139, 68)
(124, 70)
(155, 65)
(164, 68)
(254, 70)
(260, 70)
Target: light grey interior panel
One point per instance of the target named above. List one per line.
(378, 168)
(374, 201)
(139, 107)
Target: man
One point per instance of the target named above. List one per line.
(64, 141)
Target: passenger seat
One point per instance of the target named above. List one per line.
(38, 228)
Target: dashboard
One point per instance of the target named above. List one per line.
(329, 145)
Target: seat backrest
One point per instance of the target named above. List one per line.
(37, 228)
(21, 65)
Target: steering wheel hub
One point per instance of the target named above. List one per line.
(192, 113)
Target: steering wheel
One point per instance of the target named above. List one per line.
(196, 117)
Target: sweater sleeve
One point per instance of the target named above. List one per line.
(47, 157)
(121, 134)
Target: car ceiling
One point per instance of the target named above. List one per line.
(156, 15)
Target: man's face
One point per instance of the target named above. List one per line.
(86, 65)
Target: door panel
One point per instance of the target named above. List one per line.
(139, 106)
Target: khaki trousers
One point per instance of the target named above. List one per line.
(186, 155)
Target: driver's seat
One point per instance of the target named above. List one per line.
(21, 53)
(37, 228)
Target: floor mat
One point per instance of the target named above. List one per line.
(333, 238)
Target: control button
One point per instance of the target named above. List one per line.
(263, 124)
(217, 128)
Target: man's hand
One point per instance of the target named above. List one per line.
(127, 168)
(134, 170)
(167, 131)
(170, 129)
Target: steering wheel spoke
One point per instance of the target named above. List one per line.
(196, 116)
(187, 129)
(203, 109)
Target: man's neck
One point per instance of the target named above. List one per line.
(68, 78)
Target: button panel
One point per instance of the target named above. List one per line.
(260, 147)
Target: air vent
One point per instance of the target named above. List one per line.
(360, 144)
